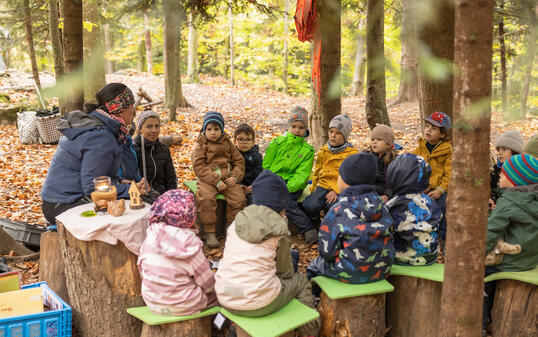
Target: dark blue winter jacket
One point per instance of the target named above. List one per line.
(416, 215)
(253, 165)
(129, 163)
(354, 237)
(89, 148)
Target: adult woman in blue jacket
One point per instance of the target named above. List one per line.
(90, 147)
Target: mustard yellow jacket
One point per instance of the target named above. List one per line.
(326, 169)
(440, 159)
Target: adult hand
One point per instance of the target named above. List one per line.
(143, 186)
(491, 204)
(230, 181)
(248, 189)
(435, 194)
(331, 197)
(222, 186)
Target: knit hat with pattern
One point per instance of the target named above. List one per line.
(144, 115)
(384, 133)
(298, 114)
(175, 208)
(343, 123)
(521, 169)
(215, 118)
(511, 140)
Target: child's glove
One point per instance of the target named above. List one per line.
(496, 255)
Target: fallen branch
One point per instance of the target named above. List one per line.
(147, 105)
(23, 258)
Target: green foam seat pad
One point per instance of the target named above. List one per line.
(336, 289)
(290, 317)
(528, 276)
(146, 316)
(191, 184)
(434, 272)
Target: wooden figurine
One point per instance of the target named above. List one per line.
(136, 200)
(116, 208)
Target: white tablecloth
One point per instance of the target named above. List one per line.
(130, 228)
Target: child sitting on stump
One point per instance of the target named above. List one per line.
(256, 275)
(382, 146)
(324, 189)
(244, 140)
(416, 215)
(219, 167)
(291, 157)
(176, 276)
(355, 244)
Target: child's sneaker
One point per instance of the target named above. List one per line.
(211, 240)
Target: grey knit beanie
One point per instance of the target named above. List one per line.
(532, 146)
(511, 140)
(144, 115)
(384, 133)
(343, 123)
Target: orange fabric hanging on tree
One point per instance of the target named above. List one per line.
(306, 23)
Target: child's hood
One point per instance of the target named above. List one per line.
(408, 173)
(258, 223)
(524, 197)
(363, 201)
(174, 242)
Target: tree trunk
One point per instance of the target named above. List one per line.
(51, 264)
(376, 106)
(141, 59)
(407, 92)
(102, 282)
(354, 316)
(94, 65)
(531, 45)
(30, 40)
(514, 309)
(192, 58)
(8, 244)
(412, 300)
(109, 64)
(502, 51)
(330, 34)
(461, 307)
(147, 41)
(72, 39)
(232, 66)
(198, 327)
(437, 38)
(172, 74)
(286, 42)
(357, 87)
(57, 51)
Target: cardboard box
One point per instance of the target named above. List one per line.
(10, 281)
(21, 302)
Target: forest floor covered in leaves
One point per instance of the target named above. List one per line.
(23, 168)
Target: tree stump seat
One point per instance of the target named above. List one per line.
(197, 325)
(280, 323)
(413, 309)
(515, 306)
(352, 309)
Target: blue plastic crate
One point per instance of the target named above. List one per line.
(53, 323)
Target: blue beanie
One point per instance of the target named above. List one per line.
(270, 190)
(215, 118)
(359, 169)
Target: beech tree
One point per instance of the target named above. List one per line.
(357, 86)
(57, 50)
(30, 40)
(72, 39)
(461, 307)
(408, 89)
(94, 62)
(192, 57)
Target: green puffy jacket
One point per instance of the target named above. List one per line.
(515, 220)
(290, 157)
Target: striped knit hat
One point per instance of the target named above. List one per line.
(521, 169)
(215, 118)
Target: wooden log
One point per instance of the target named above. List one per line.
(242, 333)
(515, 309)
(102, 282)
(353, 316)
(199, 327)
(51, 264)
(413, 307)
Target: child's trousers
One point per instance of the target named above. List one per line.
(297, 287)
(315, 203)
(296, 215)
(442, 224)
(207, 204)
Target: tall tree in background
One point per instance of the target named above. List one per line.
(502, 53)
(108, 36)
(30, 40)
(330, 33)
(436, 36)
(531, 47)
(72, 39)
(94, 62)
(57, 49)
(192, 57)
(172, 70)
(376, 106)
(285, 52)
(357, 86)
(461, 307)
(147, 42)
(231, 26)
(408, 90)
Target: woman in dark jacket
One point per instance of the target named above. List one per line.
(160, 172)
(90, 147)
